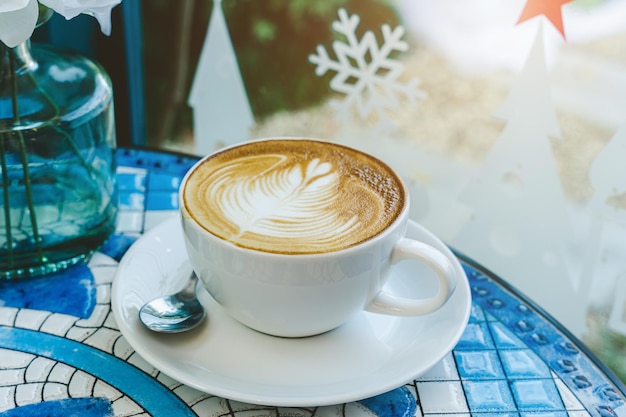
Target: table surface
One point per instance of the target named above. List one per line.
(61, 352)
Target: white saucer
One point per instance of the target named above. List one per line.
(369, 355)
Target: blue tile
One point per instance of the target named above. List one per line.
(117, 245)
(540, 335)
(489, 316)
(544, 414)
(503, 337)
(131, 201)
(537, 395)
(72, 407)
(397, 403)
(71, 291)
(132, 181)
(495, 415)
(162, 200)
(479, 364)
(157, 181)
(156, 161)
(489, 396)
(475, 337)
(523, 363)
(608, 393)
(476, 314)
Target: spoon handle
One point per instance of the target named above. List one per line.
(190, 287)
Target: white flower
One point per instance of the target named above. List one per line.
(100, 9)
(18, 18)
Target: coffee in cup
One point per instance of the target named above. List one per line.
(293, 196)
(293, 237)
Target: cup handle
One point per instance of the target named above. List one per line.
(385, 303)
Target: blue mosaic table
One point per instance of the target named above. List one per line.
(61, 353)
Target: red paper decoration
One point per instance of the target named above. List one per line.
(549, 8)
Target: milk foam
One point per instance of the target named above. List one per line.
(301, 200)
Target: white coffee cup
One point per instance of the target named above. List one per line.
(284, 284)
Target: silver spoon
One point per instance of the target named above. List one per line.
(174, 313)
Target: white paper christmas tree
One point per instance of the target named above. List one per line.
(221, 110)
(603, 265)
(520, 227)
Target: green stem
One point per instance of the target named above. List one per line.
(43, 92)
(54, 125)
(24, 157)
(90, 169)
(7, 208)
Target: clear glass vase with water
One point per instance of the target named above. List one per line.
(58, 199)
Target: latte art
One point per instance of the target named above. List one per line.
(293, 196)
(285, 203)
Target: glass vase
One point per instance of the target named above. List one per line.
(58, 198)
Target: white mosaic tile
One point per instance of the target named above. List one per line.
(61, 373)
(169, 382)
(100, 260)
(12, 359)
(102, 389)
(110, 322)
(98, 316)
(358, 410)
(122, 349)
(79, 333)
(28, 393)
(103, 339)
(7, 316)
(442, 397)
(444, 370)
(581, 413)
(154, 218)
(209, 406)
(54, 391)
(129, 221)
(190, 395)
(30, 319)
(103, 294)
(104, 274)
(265, 412)
(124, 406)
(7, 395)
(139, 362)
(39, 369)
(10, 377)
(569, 399)
(81, 384)
(236, 406)
(58, 324)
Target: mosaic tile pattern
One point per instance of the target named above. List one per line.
(60, 357)
(520, 322)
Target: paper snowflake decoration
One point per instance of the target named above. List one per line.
(366, 74)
